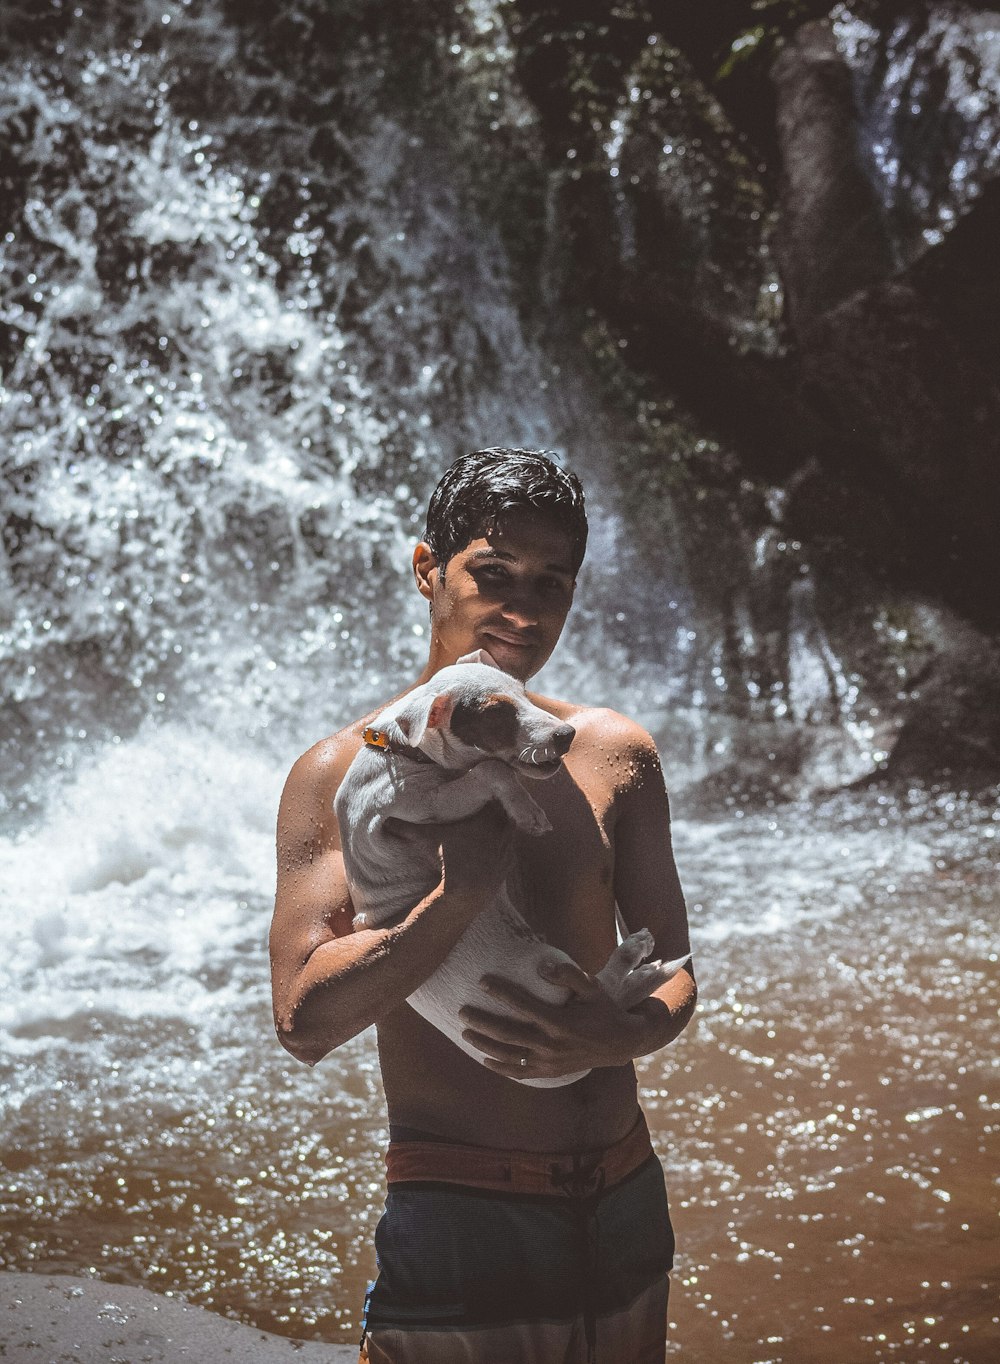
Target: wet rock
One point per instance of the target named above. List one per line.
(831, 242)
(690, 211)
(892, 362)
(888, 371)
(951, 728)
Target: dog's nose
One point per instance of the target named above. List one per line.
(562, 738)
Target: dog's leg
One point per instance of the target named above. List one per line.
(628, 977)
(624, 959)
(449, 801)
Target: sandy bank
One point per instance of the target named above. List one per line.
(84, 1321)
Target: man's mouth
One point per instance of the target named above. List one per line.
(512, 641)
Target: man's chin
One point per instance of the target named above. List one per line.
(519, 660)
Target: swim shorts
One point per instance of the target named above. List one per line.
(521, 1257)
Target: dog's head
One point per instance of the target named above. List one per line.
(473, 710)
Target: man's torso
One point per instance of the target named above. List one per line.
(565, 889)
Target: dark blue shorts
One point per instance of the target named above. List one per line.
(492, 1257)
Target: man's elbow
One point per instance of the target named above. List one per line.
(302, 1047)
(312, 1028)
(292, 1029)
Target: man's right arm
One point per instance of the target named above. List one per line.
(329, 982)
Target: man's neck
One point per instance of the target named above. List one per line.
(433, 665)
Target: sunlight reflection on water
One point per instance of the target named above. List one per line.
(831, 1100)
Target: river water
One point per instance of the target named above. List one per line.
(227, 391)
(828, 1124)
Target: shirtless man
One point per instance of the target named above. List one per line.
(522, 1225)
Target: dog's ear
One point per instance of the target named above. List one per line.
(481, 656)
(408, 724)
(440, 711)
(417, 717)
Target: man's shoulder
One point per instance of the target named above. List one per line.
(610, 726)
(605, 733)
(602, 727)
(326, 762)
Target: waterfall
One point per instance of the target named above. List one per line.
(930, 121)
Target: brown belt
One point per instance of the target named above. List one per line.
(522, 1172)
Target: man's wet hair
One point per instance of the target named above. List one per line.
(480, 488)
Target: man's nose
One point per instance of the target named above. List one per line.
(562, 738)
(520, 605)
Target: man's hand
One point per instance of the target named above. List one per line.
(588, 1031)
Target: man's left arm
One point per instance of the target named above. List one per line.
(590, 1030)
(648, 892)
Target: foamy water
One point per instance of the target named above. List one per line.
(133, 890)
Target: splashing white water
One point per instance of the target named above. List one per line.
(132, 894)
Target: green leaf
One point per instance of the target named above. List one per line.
(742, 48)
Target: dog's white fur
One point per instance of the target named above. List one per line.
(391, 864)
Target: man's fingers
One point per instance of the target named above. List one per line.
(511, 1070)
(508, 1052)
(517, 998)
(493, 1028)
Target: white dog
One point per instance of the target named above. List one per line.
(435, 756)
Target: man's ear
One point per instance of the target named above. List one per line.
(481, 656)
(424, 563)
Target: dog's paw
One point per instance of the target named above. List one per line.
(636, 948)
(533, 820)
(630, 988)
(524, 812)
(639, 983)
(628, 976)
(648, 976)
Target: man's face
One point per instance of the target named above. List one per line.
(508, 592)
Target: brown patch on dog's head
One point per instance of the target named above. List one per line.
(490, 724)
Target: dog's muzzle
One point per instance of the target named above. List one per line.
(549, 755)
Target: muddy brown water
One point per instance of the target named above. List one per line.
(829, 1124)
